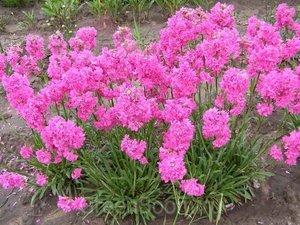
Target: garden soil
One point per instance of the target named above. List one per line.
(277, 200)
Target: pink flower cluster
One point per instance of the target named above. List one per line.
(41, 179)
(67, 204)
(291, 147)
(11, 180)
(76, 173)
(215, 124)
(134, 149)
(191, 187)
(279, 87)
(63, 137)
(234, 84)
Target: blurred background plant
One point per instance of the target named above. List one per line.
(15, 3)
(62, 14)
(97, 7)
(29, 20)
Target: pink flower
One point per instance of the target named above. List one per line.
(83, 103)
(57, 45)
(67, 203)
(123, 39)
(284, 17)
(41, 179)
(279, 86)
(132, 108)
(35, 46)
(11, 180)
(264, 109)
(26, 152)
(276, 153)
(43, 156)
(235, 83)
(62, 136)
(85, 39)
(171, 168)
(292, 147)
(216, 125)
(179, 136)
(76, 173)
(191, 187)
(79, 203)
(134, 149)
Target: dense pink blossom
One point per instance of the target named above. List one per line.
(292, 147)
(13, 56)
(279, 86)
(264, 109)
(106, 119)
(18, 90)
(123, 39)
(132, 108)
(222, 15)
(184, 80)
(56, 44)
(85, 39)
(34, 46)
(276, 153)
(178, 109)
(181, 29)
(43, 156)
(59, 65)
(67, 203)
(216, 125)
(83, 103)
(76, 173)
(26, 152)
(179, 136)
(41, 179)
(171, 168)
(235, 83)
(63, 137)
(116, 65)
(79, 203)
(284, 17)
(290, 48)
(263, 60)
(217, 50)
(134, 149)
(191, 187)
(11, 180)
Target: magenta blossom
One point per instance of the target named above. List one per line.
(26, 152)
(134, 149)
(41, 179)
(76, 173)
(191, 187)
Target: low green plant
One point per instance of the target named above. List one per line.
(2, 26)
(169, 7)
(138, 6)
(119, 186)
(97, 7)
(62, 13)
(205, 4)
(29, 21)
(115, 8)
(15, 3)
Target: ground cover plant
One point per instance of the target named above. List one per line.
(177, 119)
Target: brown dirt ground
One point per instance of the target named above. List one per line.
(277, 201)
